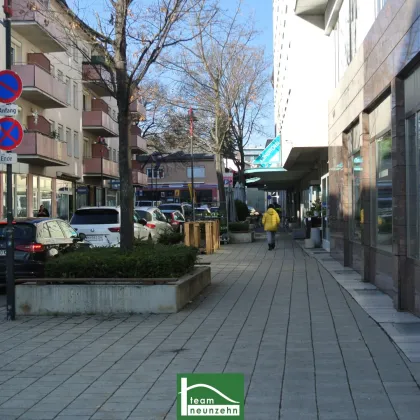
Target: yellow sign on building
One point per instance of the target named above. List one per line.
(177, 193)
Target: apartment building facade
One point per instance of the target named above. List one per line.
(68, 157)
(301, 78)
(170, 177)
(374, 146)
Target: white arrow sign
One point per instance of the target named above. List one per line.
(8, 158)
(9, 110)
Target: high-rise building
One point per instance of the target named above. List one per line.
(374, 139)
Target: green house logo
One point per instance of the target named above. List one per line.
(210, 395)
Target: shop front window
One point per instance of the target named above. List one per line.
(356, 167)
(45, 194)
(99, 192)
(413, 185)
(384, 192)
(64, 199)
(19, 195)
(111, 198)
(82, 196)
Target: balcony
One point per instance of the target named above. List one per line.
(32, 20)
(97, 167)
(138, 110)
(139, 178)
(137, 143)
(96, 77)
(99, 123)
(41, 150)
(321, 13)
(39, 86)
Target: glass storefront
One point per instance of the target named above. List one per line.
(82, 196)
(65, 194)
(413, 185)
(383, 205)
(325, 212)
(20, 189)
(112, 198)
(42, 193)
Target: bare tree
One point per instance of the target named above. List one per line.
(245, 95)
(205, 71)
(131, 36)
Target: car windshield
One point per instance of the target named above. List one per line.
(22, 231)
(169, 207)
(144, 203)
(95, 217)
(142, 214)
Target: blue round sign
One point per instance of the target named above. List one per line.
(11, 133)
(10, 86)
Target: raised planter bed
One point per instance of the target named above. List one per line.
(109, 296)
(242, 237)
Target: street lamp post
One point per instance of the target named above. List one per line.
(191, 114)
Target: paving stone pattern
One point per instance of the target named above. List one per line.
(307, 349)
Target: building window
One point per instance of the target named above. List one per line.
(16, 53)
(86, 149)
(75, 53)
(413, 185)
(19, 195)
(60, 132)
(42, 193)
(76, 144)
(383, 193)
(356, 168)
(64, 196)
(379, 4)
(75, 96)
(60, 75)
(68, 89)
(69, 142)
(199, 172)
(157, 173)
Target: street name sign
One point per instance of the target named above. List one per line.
(10, 110)
(8, 158)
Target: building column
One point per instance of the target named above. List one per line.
(366, 186)
(29, 196)
(345, 200)
(54, 197)
(403, 284)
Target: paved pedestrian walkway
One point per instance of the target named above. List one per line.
(307, 349)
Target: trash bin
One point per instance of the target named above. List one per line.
(316, 236)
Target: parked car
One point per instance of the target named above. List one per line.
(102, 225)
(37, 240)
(184, 209)
(175, 218)
(156, 221)
(202, 212)
(148, 203)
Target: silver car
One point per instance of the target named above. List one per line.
(156, 221)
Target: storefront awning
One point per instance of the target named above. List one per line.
(304, 158)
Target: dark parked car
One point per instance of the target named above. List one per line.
(36, 240)
(184, 209)
(175, 218)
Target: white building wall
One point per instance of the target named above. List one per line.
(303, 79)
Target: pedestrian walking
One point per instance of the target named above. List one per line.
(271, 222)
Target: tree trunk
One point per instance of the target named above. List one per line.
(126, 183)
(220, 182)
(242, 167)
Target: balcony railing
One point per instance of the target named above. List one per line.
(96, 77)
(99, 123)
(35, 22)
(40, 87)
(41, 150)
(139, 178)
(137, 143)
(96, 167)
(138, 109)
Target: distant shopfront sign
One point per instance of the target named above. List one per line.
(228, 179)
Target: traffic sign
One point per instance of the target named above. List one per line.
(9, 110)
(8, 158)
(10, 86)
(11, 133)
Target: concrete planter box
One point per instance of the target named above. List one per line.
(242, 237)
(106, 299)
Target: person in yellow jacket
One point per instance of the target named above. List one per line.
(271, 222)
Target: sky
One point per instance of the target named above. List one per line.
(263, 14)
